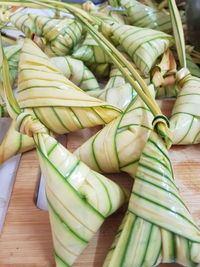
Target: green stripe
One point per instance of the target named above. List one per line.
(165, 208)
(155, 159)
(70, 186)
(72, 169)
(94, 154)
(64, 223)
(189, 128)
(107, 192)
(155, 144)
(81, 126)
(38, 86)
(127, 242)
(52, 149)
(58, 118)
(196, 136)
(93, 109)
(44, 24)
(130, 163)
(147, 244)
(121, 129)
(163, 189)
(159, 254)
(64, 262)
(144, 108)
(20, 144)
(158, 172)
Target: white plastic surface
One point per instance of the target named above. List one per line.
(7, 174)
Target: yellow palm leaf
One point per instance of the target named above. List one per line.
(118, 146)
(143, 45)
(79, 199)
(185, 120)
(60, 35)
(14, 143)
(57, 102)
(158, 228)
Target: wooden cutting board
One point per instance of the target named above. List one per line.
(26, 236)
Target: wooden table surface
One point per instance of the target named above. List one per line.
(26, 237)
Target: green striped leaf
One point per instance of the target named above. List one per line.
(61, 35)
(141, 15)
(186, 109)
(118, 146)
(144, 46)
(14, 143)
(79, 199)
(51, 97)
(158, 228)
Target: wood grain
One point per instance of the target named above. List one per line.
(26, 237)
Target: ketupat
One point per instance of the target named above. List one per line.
(59, 35)
(118, 146)
(90, 51)
(141, 15)
(186, 109)
(79, 199)
(158, 227)
(144, 46)
(73, 69)
(185, 121)
(23, 143)
(57, 102)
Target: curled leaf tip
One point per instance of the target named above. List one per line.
(161, 126)
(160, 119)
